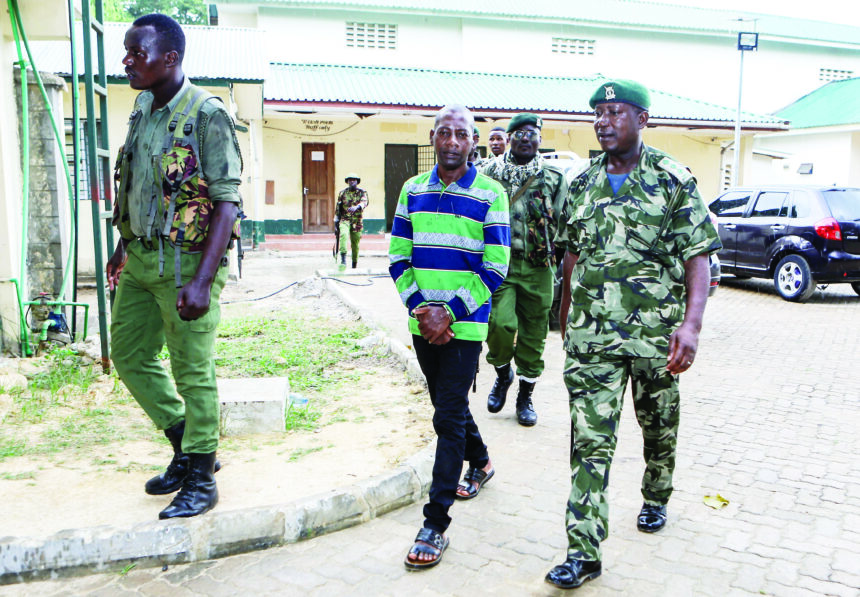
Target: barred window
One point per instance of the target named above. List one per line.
(378, 36)
(567, 45)
(834, 74)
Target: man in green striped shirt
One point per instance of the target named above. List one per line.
(450, 246)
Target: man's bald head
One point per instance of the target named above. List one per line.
(455, 109)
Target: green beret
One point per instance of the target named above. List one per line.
(623, 91)
(524, 118)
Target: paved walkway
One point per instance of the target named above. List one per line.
(770, 421)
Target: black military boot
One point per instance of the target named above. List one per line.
(354, 263)
(343, 259)
(171, 479)
(199, 493)
(499, 393)
(526, 414)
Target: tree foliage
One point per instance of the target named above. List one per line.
(188, 12)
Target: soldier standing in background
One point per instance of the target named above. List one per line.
(348, 215)
(498, 141)
(637, 237)
(519, 319)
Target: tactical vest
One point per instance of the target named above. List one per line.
(183, 213)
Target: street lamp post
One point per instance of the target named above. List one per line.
(746, 41)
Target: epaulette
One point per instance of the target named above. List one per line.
(676, 169)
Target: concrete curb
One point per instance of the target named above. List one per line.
(218, 534)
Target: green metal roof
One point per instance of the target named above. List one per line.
(833, 104)
(305, 85)
(606, 13)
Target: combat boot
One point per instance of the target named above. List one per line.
(343, 259)
(199, 493)
(354, 263)
(526, 414)
(171, 479)
(499, 393)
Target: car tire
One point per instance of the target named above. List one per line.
(793, 280)
(856, 287)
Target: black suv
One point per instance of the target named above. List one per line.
(800, 236)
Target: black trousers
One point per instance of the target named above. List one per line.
(450, 369)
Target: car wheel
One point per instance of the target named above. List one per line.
(856, 287)
(793, 280)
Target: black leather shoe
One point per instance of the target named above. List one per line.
(573, 573)
(171, 479)
(651, 518)
(499, 393)
(526, 414)
(199, 493)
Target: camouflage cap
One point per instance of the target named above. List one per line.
(352, 175)
(524, 118)
(622, 91)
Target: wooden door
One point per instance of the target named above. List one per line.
(318, 187)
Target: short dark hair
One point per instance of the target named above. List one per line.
(497, 128)
(170, 34)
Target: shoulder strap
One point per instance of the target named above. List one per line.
(523, 188)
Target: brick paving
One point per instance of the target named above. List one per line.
(770, 421)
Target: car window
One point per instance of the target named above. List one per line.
(770, 205)
(844, 204)
(731, 204)
(802, 206)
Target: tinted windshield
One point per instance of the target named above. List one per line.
(844, 204)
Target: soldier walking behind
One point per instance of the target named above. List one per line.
(637, 237)
(175, 223)
(449, 250)
(519, 320)
(348, 216)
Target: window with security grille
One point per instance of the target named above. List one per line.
(834, 74)
(378, 36)
(426, 158)
(567, 45)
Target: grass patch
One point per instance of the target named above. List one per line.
(17, 476)
(296, 454)
(308, 348)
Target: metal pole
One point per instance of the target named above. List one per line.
(737, 151)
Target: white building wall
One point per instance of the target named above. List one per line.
(700, 66)
(830, 153)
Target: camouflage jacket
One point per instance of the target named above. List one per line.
(347, 199)
(533, 214)
(166, 184)
(627, 289)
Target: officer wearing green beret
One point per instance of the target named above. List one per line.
(520, 306)
(348, 217)
(636, 236)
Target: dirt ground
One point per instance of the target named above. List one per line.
(387, 419)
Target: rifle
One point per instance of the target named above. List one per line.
(336, 247)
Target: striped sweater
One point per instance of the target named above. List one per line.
(451, 246)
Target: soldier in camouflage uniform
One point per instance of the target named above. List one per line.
(637, 237)
(169, 266)
(348, 215)
(519, 319)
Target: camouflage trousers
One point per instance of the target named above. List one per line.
(595, 386)
(347, 233)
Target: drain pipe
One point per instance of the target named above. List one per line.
(25, 170)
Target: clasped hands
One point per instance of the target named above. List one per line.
(434, 323)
